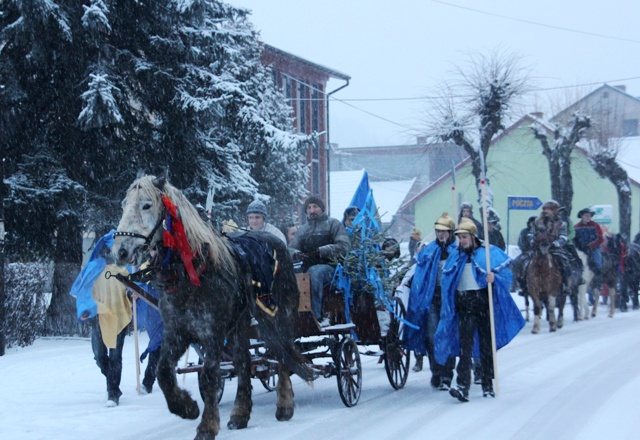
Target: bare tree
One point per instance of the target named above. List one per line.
(559, 156)
(603, 155)
(473, 109)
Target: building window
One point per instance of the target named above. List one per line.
(315, 108)
(630, 127)
(303, 100)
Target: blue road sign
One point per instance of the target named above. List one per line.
(523, 202)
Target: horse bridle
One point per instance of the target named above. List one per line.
(147, 238)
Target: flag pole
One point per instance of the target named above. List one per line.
(483, 196)
(453, 191)
(134, 296)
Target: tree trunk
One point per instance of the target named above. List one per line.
(61, 314)
(607, 167)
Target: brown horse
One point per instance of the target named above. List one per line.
(544, 284)
(610, 272)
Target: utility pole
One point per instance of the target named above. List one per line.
(2, 294)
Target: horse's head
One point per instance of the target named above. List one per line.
(139, 227)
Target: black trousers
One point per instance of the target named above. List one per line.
(472, 307)
(151, 370)
(108, 360)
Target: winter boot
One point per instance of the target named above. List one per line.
(418, 366)
(459, 393)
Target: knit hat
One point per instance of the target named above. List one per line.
(466, 226)
(444, 223)
(257, 207)
(314, 199)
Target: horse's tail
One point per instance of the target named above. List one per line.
(283, 350)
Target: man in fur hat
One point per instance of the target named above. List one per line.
(318, 244)
(465, 309)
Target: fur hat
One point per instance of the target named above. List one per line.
(314, 199)
(466, 205)
(585, 211)
(416, 234)
(444, 223)
(467, 226)
(257, 207)
(492, 216)
(551, 204)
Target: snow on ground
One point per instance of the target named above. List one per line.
(581, 382)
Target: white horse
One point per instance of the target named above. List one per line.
(587, 274)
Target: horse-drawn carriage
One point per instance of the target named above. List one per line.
(206, 295)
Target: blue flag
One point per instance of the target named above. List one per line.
(362, 192)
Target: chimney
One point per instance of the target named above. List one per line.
(621, 87)
(421, 140)
(538, 115)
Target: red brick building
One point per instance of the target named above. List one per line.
(304, 84)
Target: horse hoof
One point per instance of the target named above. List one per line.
(237, 422)
(535, 331)
(205, 436)
(284, 413)
(189, 410)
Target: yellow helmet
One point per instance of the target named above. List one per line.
(466, 226)
(444, 223)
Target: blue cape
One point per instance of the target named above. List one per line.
(421, 295)
(507, 317)
(150, 320)
(83, 285)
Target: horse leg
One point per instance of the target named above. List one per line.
(284, 405)
(612, 301)
(551, 312)
(178, 400)
(243, 404)
(596, 300)
(583, 309)
(561, 300)
(537, 311)
(526, 305)
(209, 383)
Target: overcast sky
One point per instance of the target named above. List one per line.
(396, 52)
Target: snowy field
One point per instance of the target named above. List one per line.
(581, 382)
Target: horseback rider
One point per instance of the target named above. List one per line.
(550, 230)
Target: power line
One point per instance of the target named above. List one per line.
(535, 23)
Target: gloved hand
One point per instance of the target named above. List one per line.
(310, 257)
(555, 244)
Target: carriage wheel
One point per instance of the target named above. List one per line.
(349, 372)
(269, 383)
(396, 358)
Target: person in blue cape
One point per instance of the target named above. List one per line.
(465, 324)
(425, 301)
(103, 302)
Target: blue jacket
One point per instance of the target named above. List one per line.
(421, 294)
(83, 285)
(507, 317)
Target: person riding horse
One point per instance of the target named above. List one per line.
(549, 230)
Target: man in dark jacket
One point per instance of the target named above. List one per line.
(318, 244)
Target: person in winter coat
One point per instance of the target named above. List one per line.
(493, 228)
(318, 244)
(465, 309)
(414, 242)
(466, 211)
(104, 303)
(589, 239)
(425, 300)
(257, 218)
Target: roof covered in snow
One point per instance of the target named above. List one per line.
(388, 195)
